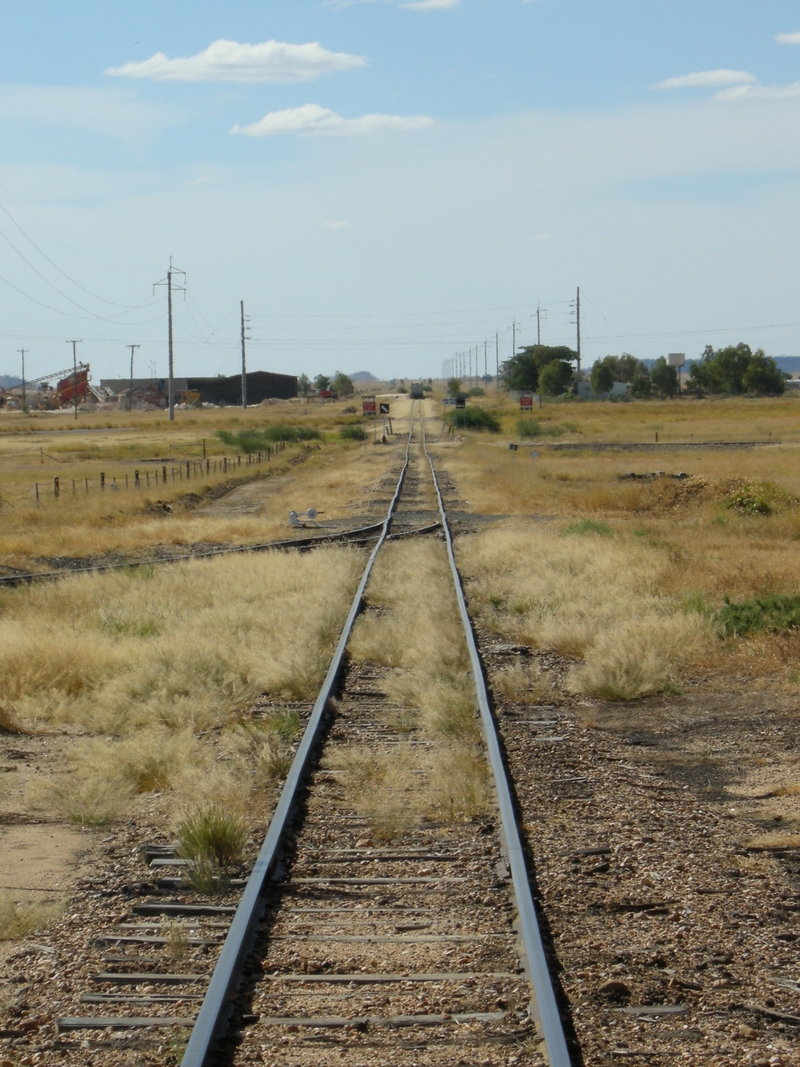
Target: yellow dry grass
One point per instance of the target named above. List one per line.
(184, 647)
(417, 633)
(591, 598)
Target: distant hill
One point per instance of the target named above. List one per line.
(362, 376)
(8, 382)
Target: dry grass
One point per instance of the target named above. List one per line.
(188, 646)
(18, 920)
(593, 599)
(418, 634)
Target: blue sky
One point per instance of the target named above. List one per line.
(386, 183)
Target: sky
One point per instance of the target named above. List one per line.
(387, 183)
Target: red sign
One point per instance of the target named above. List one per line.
(525, 401)
(368, 405)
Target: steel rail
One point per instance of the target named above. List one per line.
(215, 1011)
(545, 1011)
(373, 530)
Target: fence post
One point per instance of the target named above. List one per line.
(208, 466)
(86, 481)
(37, 494)
(56, 488)
(147, 477)
(73, 487)
(102, 480)
(187, 469)
(136, 479)
(126, 481)
(164, 475)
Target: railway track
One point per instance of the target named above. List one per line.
(345, 947)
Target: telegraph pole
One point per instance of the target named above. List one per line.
(181, 288)
(513, 338)
(497, 361)
(485, 360)
(130, 391)
(538, 324)
(75, 374)
(578, 319)
(244, 360)
(22, 352)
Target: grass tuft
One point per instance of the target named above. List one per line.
(354, 432)
(213, 834)
(261, 440)
(588, 526)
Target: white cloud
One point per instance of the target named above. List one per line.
(270, 61)
(762, 92)
(337, 224)
(706, 78)
(787, 38)
(311, 120)
(430, 5)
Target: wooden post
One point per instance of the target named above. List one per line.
(56, 488)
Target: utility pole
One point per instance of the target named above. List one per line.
(485, 360)
(538, 324)
(578, 319)
(497, 361)
(130, 391)
(22, 352)
(75, 374)
(513, 338)
(181, 288)
(244, 360)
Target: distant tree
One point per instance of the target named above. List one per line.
(322, 381)
(663, 379)
(602, 377)
(763, 376)
(641, 386)
(735, 370)
(453, 386)
(622, 367)
(303, 384)
(342, 384)
(555, 378)
(522, 372)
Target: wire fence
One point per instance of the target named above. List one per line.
(150, 474)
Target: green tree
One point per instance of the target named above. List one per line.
(322, 381)
(453, 386)
(556, 377)
(735, 370)
(343, 384)
(663, 379)
(641, 386)
(303, 384)
(622, 367)
(602, 376)
(763, 376)
(522, 371)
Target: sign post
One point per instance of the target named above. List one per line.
(368, 407)
(526, 404)
(383, 408)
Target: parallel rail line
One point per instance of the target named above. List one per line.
(340, 893)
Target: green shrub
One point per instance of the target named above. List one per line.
(588, 526)
(771, 614)
(473, 419)
(475, 391)
(758, 498)
(353, 433)
(261, 440)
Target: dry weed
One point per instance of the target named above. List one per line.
(18, 920)
(87, 801)
(522, 682)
